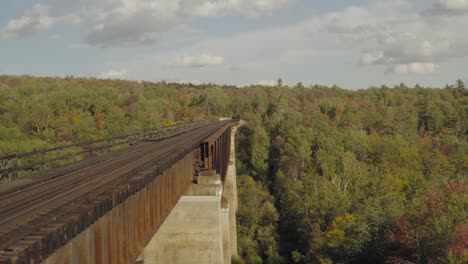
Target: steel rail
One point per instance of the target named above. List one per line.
(136, 136)
(97, 164)
(53, 198)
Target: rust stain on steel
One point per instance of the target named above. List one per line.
(216, 151)
(98, 243)
(110, 242)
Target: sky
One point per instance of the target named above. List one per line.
(354, 44)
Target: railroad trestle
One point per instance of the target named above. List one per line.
(107, 210)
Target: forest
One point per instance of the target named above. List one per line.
(325, 174)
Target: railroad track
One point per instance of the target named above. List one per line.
(26, 210)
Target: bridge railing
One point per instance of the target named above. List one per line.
(16, 165)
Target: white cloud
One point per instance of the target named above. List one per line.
(387, 36)
(267, 82)
(415, 67)
(194, 82)
(144, 21)
(113, 74)
(67, 20)
(35, 20)
(448, 7)
(203, 60)
(134, 21)
(396, 36)
(383, 35)
(454, 5)
(251, 8)
(372, 57)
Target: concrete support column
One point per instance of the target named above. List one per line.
(225, 230)
(230, 192)
(202, 226)
(193, 231)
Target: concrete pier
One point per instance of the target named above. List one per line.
(202, 226)
(193, 231)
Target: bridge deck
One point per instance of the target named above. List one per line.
(39, 202)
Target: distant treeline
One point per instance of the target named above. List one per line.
(326, 175)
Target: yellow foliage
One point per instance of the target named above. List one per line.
(350, 217)
(334, 237)
(396, 183)
(170, 123)
(337, 233)
(250, 181)
(75, 120)
(340, 219)
(325, 261)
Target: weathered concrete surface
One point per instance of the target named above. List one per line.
(192, 233)
(230, 192)
(225, 231)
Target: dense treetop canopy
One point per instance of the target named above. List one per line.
(326, 175)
